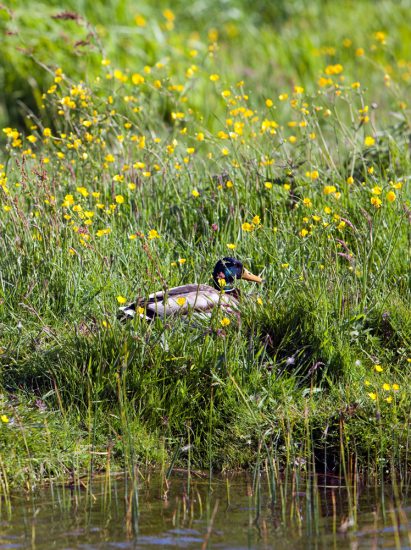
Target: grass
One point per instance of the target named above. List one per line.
(120, 179)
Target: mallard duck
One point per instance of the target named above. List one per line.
(194, 298)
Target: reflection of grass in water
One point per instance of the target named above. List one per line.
(234, 509)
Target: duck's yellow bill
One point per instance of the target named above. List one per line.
(248, 276)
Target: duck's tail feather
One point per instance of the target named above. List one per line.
(125, 313)
(130, 311)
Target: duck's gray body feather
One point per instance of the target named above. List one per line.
(198, 299)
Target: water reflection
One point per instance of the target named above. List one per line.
(235, 512)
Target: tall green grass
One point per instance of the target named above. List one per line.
(295, 383)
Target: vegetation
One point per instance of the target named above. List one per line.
(138, 151)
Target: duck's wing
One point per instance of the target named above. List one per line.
(178, 291)
(191, 299)
(180, 300)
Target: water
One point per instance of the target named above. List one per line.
(230, 513)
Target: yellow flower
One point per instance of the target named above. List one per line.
(4, 418)
(119, 75)
(181, 301)
(247, 227)
(334, 69)
(214, 77)
(256, 220)
(140, 21)
(391, 196)
(137, 79)
(386, 387)
(68, 200)
(121, 299)
(380, 36)
(312, 175)
(268, 185)
(369, 141)
(375, 201)
(119, 199)
(395, 387)
(225, 322)
(372, 396)
(82, 190)
(169, 15)
(195, 193)
(377, 190)
(378, 368)
(269, 103)
(140, 310)
(303, 232)
(182, 261)
(153, 234)
(231, 246)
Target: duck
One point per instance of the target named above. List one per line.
(194, 298)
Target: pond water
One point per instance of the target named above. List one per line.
(234, 512)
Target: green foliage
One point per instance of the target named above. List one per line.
(133, 161)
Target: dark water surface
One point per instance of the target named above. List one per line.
(230, 513)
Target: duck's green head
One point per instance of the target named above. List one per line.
(229, 269)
